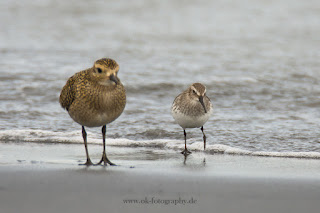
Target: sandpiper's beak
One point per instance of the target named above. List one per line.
(202, 103)
(114, 78)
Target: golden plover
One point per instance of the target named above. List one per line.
(95, 97)
(192, 109)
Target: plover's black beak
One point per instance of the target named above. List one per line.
(114, 78)
(202, 103)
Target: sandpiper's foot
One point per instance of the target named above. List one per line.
(105, 161)
(186, 152)
(88, 163)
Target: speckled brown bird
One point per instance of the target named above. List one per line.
(192, 109)
(95, 97)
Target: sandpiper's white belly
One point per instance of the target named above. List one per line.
(186, 121)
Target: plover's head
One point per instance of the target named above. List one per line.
(105, 71)
(198, 91)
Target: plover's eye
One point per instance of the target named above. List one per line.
(99, 70)
(194, 92)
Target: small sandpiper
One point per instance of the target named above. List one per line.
(192, 109)
(95, 97)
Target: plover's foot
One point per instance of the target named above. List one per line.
(186, 152)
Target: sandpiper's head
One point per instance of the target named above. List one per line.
(105, 71)
(198, 91)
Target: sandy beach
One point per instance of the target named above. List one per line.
(47, 178)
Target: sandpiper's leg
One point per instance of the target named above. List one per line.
(84, 135)
(204, 138)
(104, 158)
(185, 151)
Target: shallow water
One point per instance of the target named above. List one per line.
(258, 59)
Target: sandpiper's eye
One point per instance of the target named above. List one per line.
(194, 92)
(99, 70)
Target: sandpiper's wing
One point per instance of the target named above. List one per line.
(179, 97)
(175, 100)
(68, 93)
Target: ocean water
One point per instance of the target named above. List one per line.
(258, 59)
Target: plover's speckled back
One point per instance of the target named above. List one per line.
(192, 109)
(95, 97)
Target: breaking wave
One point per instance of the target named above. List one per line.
(40, 136)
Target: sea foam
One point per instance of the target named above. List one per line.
(74, 137)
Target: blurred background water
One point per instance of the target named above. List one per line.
(259, 60)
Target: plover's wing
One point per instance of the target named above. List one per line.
(68, 93)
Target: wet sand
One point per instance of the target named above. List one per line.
(47, 178)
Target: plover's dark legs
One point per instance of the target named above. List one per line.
(104, 158)
(204, 139)
(84, 135)
(185, 151)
